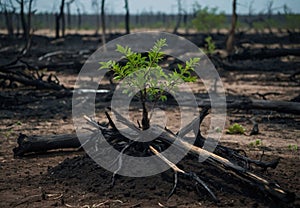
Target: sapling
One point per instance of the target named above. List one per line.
(148, 76)
(210, 46)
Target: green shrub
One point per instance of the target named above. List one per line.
(293, 147)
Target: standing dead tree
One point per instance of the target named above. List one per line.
(25, 19)
(9, 10)
(60, 18)
(103, 24)
(96, 7)
(79, 18)
(127, 18)
(68, 4)
(179, 16)
(230, 39)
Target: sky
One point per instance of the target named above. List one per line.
(170, 6)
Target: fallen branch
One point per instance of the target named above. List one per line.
(245, 103)
(249, 103)
(54, 53)
(242, 67)
(31, 144)
(30, 80)
(265, 53)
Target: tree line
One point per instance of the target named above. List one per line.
(20, 16)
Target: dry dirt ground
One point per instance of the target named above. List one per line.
(72, 179)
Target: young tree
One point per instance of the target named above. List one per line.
(127, 18)
(230, 38)
(145, 74)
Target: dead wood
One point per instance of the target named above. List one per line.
(30, 80)
(229, 65)
(272, 105)
(177, 170)
(34, 144)
(54, 53)
(294, 76)
(249, 103)
(268, 187)
(223, 158)
(265, 53)
(75, 65)
(230, 38)
(19, 56)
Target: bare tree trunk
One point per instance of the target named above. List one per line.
(230, 39)
(23, 20)
(127, 15)
(185, 22)
(18, 24)
(179, 16)
(97, 23)
(79, 19)
(62, 15)
(9, 21)
(57, 25)
(29, 15)
(270, 9)
(95, 4)
(103, 22)
(69, 15)
(68, 4)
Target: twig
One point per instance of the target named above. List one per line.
(120, 162)
(111, 123)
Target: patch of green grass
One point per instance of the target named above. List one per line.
(293, 147)
(255, 143)
(218, 130)
(236, 129)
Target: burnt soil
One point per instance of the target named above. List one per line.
(69, 178)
